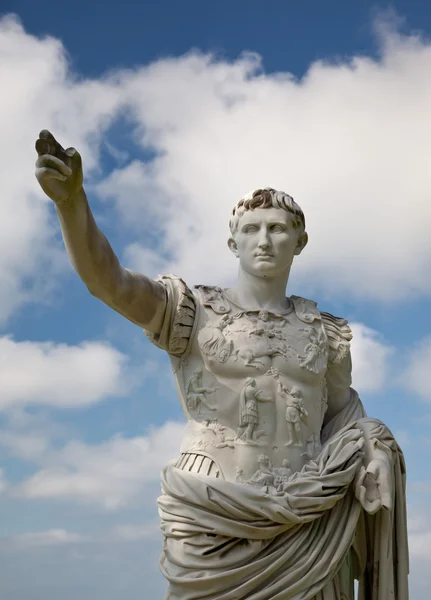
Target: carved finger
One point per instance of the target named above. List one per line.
(372, 506)
(359, 487)
(386, 499)
(47, 160)
(73, 157)
(48, 173)
(47, 144)
(385, 489)
(42, 147)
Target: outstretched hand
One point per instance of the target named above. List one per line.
(58, 171)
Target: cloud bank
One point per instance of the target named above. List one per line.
(110, 475)
(59, 375)
(348, 140)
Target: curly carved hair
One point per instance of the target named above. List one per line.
(267, 198)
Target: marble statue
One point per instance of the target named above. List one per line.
(283, 487)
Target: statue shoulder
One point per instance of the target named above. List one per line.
(337, 329)
(339, 336)
(179, 317)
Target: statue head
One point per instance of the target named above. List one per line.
(267, 231)
(286, 463)
(296, 392)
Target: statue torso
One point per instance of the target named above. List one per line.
(252, 387)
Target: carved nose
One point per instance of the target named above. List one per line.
(263, 241)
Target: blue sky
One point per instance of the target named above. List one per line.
(178, 110)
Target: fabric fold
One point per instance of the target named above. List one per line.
(230, 541)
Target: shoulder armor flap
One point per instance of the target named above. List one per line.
(214, 298)
(339, 336)
(306, 310)
(179, 318)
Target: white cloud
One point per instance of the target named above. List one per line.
(136, 257)
(27, 446)
(52, 537)
(95, 567)
(38, 92)
(112, 474)
(59, 375)
(349, 140)
(3, 482)
(416, 377)
(46, 538)
(370, 356)
(137, 532)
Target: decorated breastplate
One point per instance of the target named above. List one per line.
(253, 384)
(243, 342)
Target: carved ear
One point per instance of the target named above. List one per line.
(232, 246)
(302, 242)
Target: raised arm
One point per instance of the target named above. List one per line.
(135, 296)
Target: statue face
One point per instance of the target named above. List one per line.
(266, 242)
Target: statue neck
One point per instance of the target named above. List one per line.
(256, 293)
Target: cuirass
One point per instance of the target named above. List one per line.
(252, 387)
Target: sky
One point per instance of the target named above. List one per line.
(178, 110)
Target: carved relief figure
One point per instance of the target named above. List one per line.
(313, 446)
(267, 475)
(265, 326)
(262, 477)
(213, 434)
(263, 341)
(212, 339)
(196, 394)
(248, 411)
(314, 357)
(282, 473)
(295, 415)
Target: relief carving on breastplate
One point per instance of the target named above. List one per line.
(197, 403)
(246, 336)
(296, 415)
(267, 476)
(265, 338)
(315, 351)
(313, 446)
(212, 434)
(213, 339)
(250, 397)
(251, 414)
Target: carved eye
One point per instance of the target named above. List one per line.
(250, 229)
(277, 228)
